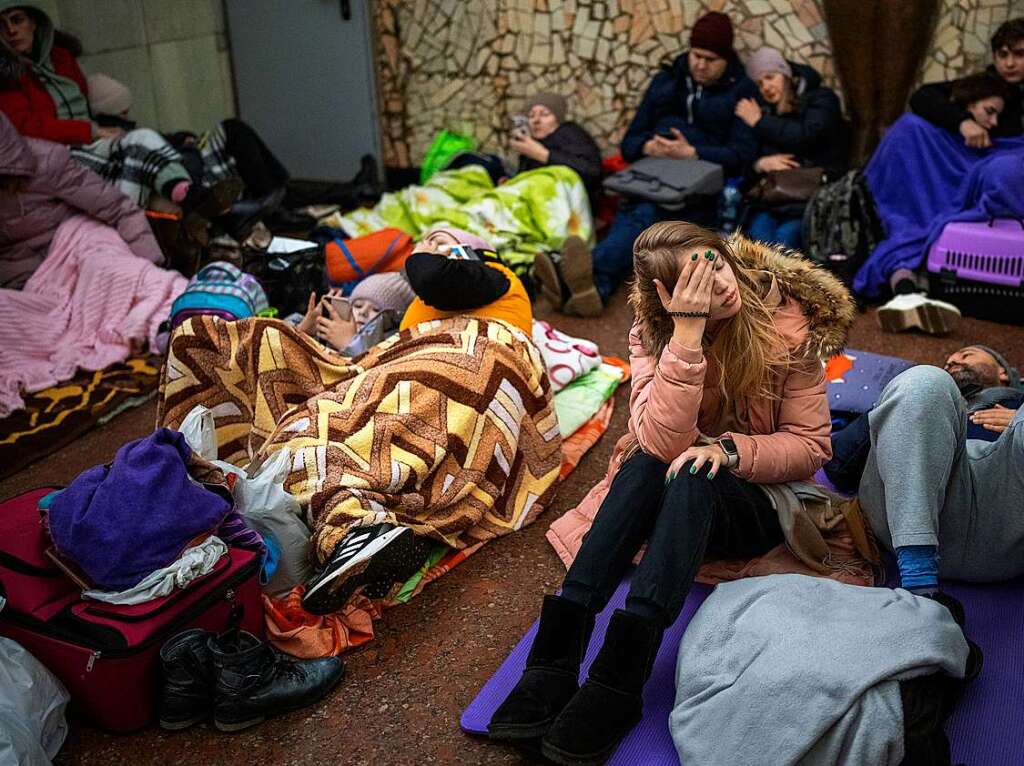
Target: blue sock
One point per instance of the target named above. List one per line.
(919, 567)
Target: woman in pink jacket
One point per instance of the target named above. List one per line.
(728, 393)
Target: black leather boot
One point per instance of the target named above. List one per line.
(186, 695)
(552, 674)
(610, 703)
(254, 681)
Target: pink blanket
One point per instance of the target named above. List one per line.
(84, 307)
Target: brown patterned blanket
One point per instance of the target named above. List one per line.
(56, 416)
(447, 428)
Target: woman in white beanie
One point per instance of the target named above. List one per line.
(799, 123)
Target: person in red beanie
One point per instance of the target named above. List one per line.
(688, 112)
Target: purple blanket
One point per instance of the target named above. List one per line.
(923, 177)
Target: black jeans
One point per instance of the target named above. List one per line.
(260, 170)
(725, 517)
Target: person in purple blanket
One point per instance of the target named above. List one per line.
(956, 158)
(938, 102)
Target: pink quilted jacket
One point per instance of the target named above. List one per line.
(57, 188)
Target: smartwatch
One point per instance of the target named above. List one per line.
(732, 455)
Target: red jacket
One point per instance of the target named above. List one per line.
(30, 107)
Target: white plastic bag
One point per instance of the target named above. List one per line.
(267, 508)
(261, 499)
(32, 702)
(200, 432)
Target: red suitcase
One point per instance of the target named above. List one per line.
(107, 655)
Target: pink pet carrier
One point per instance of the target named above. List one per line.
(979, 267)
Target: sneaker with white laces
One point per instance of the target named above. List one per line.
(916, 310)
(381, 553)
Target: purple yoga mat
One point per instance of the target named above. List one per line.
(987, 728)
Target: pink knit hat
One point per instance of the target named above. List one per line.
(765, 60)
(107, 95)
(385, 291)
(463, 238)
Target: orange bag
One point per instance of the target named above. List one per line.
(350, 260)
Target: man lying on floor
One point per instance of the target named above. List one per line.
(445, 432)
(937, 462)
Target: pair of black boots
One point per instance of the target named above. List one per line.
(237, 679)
(548, 711)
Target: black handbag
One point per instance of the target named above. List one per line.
(288, 278)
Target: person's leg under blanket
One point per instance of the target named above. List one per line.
(250, 373)
(447, 430)
(613, 257)
(926, 486)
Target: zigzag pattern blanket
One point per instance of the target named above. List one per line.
(448, 428)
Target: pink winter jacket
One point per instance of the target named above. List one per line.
(56, 188)
(672, 402)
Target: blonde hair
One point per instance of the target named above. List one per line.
(747, 348)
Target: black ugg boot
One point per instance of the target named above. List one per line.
(609, 703)
(552, 674)
(186, 695)
(255, 681)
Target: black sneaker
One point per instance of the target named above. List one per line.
(382, 553)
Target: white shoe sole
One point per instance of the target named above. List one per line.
(932, 317)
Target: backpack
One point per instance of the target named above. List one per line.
(841, 226)
(222, 290)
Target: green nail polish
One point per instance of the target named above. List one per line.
(709, 255)
(693, 469)
(693, 257)
(711, 475)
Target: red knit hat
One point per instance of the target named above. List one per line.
(713, 32)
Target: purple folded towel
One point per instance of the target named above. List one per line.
(122, 521)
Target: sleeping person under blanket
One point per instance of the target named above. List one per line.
(456, 273)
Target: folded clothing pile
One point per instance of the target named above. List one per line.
(135, 529)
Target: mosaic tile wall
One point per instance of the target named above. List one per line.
(468, 64)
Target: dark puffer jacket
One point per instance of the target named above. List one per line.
(812, 132)
(704, 114)
(56, 187)
(934, 102)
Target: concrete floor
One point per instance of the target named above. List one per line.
(401, 701)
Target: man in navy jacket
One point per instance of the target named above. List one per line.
(688, 112)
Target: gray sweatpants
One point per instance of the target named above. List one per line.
(925, 483)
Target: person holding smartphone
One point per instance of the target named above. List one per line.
(341, 322)
(542, 137)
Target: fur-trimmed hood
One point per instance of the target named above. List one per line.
(815, 310)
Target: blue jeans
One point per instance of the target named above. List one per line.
(613, 256)
(766, 226)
